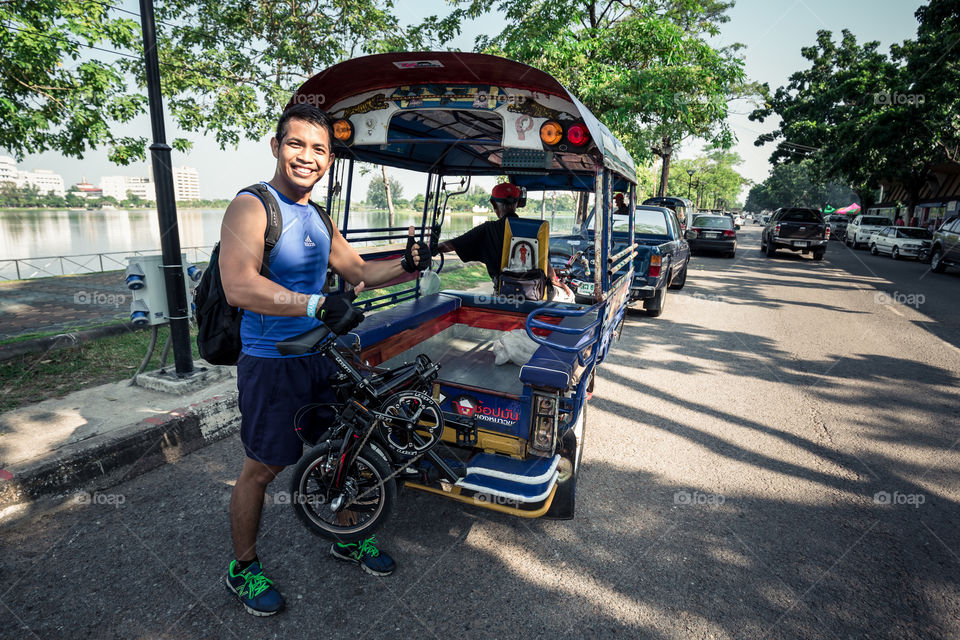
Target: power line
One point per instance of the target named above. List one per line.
(172, 26)
(202, 72)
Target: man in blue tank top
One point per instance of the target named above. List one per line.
(272, 387)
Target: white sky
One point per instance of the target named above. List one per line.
(773, 30)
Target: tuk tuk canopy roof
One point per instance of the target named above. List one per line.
(463, 113)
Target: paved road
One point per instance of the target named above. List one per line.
(776, 456)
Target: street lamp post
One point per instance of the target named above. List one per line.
(172, 267)
(690, 173)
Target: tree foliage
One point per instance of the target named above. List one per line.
(645, 70)
(377, 192)
(715, 178)
(228, 67)
(794, 185)
(53, 94)
(865, 117)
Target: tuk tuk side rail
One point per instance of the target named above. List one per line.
(580, 332)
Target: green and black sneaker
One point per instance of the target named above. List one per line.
(366, 554)
(254, 589)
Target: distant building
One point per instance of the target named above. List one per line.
(45, 181)
(186, 183)
(86, 190)
(8, 169)
(119, 186)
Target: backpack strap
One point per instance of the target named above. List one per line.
(326, 220)
(274, 223)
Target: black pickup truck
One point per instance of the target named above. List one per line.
(796, 229)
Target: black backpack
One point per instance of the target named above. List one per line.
(218, 323)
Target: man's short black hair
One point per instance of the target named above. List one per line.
(308, 112)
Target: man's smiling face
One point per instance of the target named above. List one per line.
(303, 155)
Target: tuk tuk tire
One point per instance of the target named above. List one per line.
(682, 280)
(654, 306)
(371, 458)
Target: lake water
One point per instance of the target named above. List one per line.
(37, 234)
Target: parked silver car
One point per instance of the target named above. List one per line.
(900, 242)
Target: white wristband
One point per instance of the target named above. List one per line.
(312, 305)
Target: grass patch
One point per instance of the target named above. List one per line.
(30, 378)
(34, 377)
(465, 277)
(47, 334)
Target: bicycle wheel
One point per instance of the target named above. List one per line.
(314, 498)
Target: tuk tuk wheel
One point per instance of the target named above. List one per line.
(564, 502)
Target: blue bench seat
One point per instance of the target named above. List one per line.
(554, 368)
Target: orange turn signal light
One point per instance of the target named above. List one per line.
(551, 132)
(342, 130)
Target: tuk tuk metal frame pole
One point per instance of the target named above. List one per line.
(172, 267)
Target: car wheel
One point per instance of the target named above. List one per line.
(873, 249)
(732, 254)
(681, 279)
(654, 306)
(855, 244)
(895, 254)
(936, 261)
(771, 250)
(818, 255)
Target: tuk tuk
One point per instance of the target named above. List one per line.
(420, 387)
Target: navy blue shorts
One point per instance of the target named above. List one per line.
(271, 392)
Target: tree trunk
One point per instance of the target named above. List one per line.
(665, 171)
(386, 187)
(543, 206)
(583, 202)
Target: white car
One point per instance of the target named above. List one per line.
(862, 227)
(900, 242)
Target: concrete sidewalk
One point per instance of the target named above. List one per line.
(103, 435)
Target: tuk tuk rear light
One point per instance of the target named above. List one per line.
(551, 132)
(342, 130)
(655, 263)
(543, 432)
(577, 135)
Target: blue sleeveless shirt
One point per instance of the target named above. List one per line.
(297, 262)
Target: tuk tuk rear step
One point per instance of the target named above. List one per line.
(532, 471)
(508, 489)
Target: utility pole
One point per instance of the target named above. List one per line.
(166, 203)
(690, 173)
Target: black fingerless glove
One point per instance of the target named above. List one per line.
(338, 313)
(423, 253)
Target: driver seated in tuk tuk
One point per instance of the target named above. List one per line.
(485, 244)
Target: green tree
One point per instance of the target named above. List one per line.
(377, 193)
(866, 118)
(228, 67)
(54, 95)
(646, 70)
(793, 184)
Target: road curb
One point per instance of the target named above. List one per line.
(122, 454)
(63, 340)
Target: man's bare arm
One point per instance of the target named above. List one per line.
(345, 260)
(241, 255)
